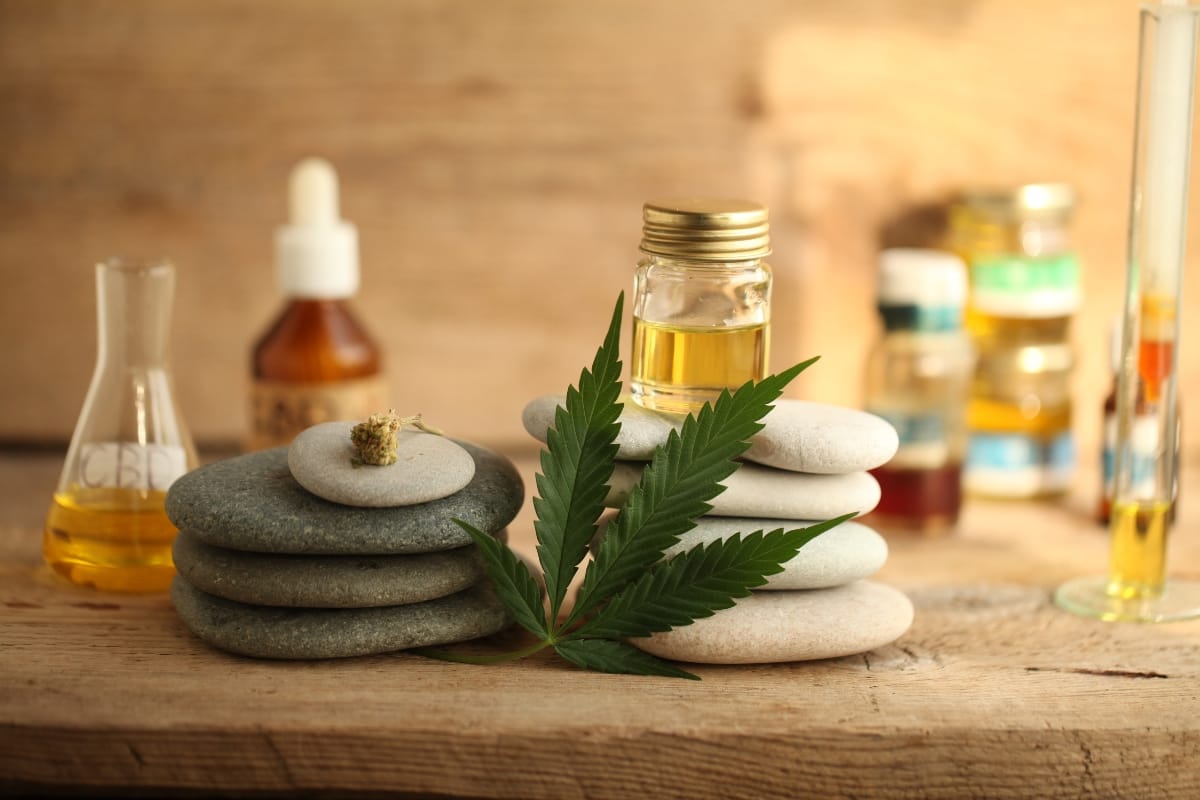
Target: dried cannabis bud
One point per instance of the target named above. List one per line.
(375, 439)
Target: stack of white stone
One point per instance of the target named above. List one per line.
(809, 463)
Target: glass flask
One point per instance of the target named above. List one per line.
(701, 302)
(106, 527)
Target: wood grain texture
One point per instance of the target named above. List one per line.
(495, 158)
(993, 693)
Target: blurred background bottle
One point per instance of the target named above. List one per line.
(106, 527)
(1024, 291)
(918, 378)
(316, 362)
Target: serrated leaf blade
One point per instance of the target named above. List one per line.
(696, 584)
(577, 465)
(606, 655)
(515, 587)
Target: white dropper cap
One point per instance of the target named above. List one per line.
(316, 254)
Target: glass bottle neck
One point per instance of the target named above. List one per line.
(133, 307)
(685, 263)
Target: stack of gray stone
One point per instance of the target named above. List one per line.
(301, 552)
(809, 463)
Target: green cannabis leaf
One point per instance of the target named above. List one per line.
(628, 589)
(695, 584)
(577, 465)
(675, 489)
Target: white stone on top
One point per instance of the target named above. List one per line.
(428, 467)
(798, 435)
(827, 439)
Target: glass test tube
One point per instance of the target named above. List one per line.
(1136, 587)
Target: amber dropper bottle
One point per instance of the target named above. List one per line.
(316, 362)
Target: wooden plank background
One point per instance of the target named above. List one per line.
(495, 157)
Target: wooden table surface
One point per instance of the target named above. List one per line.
(992, 693)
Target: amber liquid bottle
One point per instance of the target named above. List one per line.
(316, 362)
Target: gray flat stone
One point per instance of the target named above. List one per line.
(307, 633)
(252, 502)
(769, 627)
(798, 435)
(325, 581)
(768, 493)
(322, 459)
(838, 556)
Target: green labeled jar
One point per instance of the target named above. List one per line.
(1024, 281)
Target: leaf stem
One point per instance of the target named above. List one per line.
(500, 658)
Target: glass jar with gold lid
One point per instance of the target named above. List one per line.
(1017, 248)
(1024, 283)
(701, 302)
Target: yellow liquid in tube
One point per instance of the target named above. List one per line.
(678, 369)
(1139, 528)
(1139, 549)
(116, 540)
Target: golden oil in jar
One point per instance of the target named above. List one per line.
(673, 365)
(701, 302)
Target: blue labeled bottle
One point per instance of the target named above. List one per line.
(918, 378)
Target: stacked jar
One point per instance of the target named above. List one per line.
(1024, 290)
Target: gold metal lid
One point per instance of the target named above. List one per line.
(705, 229)
(1031, 201)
